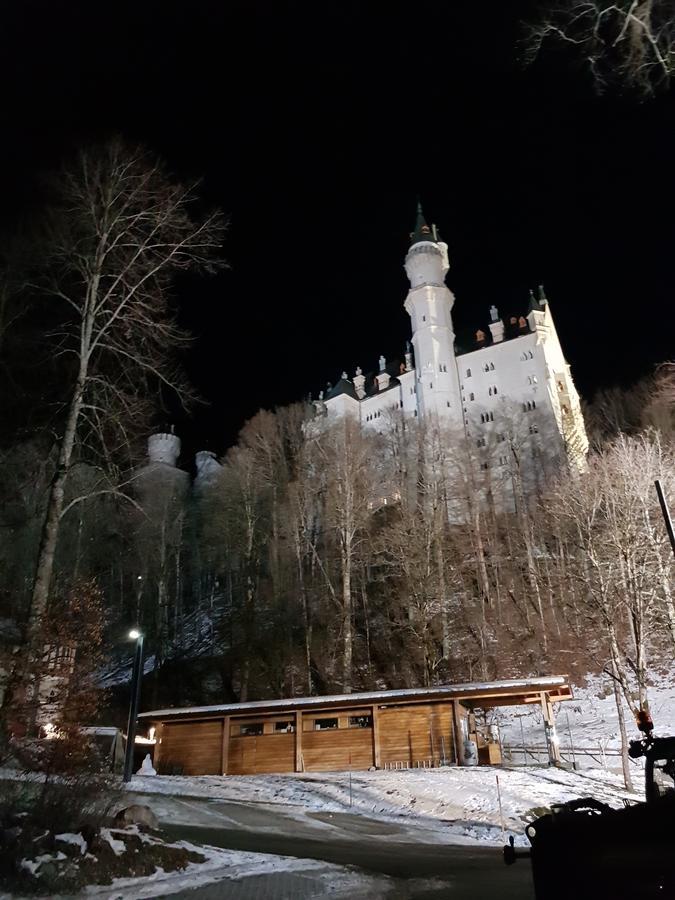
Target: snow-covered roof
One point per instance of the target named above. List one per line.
(486, 689)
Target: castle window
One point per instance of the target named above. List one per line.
(471, 397)
(415, 414)
(486, 368)
(534, 405)
(494, 389)
(447, 403)
(484, 466)
(534, 429)
(431, 384)
(480, 442)
(530, 355)
(503, 460)
(468, 373)
(492, 367)
(424, 318)
(491, 416)
(482, 417)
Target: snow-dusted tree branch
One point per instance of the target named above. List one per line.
(628, 42)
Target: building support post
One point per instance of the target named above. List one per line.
(457, 730)
(225, 747)
(554, 757)
(299, 767)
(377, 756)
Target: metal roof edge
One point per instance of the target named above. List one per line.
(487, 687)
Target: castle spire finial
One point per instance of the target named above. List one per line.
(422, 231)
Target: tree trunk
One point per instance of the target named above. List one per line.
(347, 643)
(50, 530)
(625, 760)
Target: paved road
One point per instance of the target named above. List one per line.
(414, 863)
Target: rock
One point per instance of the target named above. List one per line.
(146, 767)
(137, 814)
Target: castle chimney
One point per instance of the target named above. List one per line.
(496, 325)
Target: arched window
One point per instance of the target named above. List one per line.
(489, 392)
(468, 373)
(492, 367)
(471, 397)
(494, 389)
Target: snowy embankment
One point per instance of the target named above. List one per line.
(590, 722)
(460, 802)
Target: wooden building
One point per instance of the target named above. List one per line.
(381, 729)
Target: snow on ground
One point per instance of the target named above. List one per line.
(590, 721)
(459, 801)
(228, 866)
(235, 865)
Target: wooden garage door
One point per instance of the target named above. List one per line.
(250, 754)
(413, 734)
(330, 750)
(195, 746)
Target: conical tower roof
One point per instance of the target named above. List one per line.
(422, 231)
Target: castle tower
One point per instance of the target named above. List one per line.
(429, 304)
(164, 448)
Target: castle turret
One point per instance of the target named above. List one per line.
(164, 448)
(429, 304)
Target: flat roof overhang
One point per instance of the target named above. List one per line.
(512, 692)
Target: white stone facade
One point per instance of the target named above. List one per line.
(515, 375)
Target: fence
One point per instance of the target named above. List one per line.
(537, 754)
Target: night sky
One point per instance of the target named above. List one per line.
(315, 126)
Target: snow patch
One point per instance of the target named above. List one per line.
(118, 847)
(76, 839)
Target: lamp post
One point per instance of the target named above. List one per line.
(136, 679)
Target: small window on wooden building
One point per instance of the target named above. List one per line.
(252, 728)
(360, 721)
(325, 724)
(284, 728)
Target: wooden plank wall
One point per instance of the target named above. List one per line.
(251, 754)
(326, 751)
(416, 733)
(194, 746)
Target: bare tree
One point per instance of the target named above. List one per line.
(119, 230)
(630, 42)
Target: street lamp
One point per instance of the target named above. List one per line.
(136, 679)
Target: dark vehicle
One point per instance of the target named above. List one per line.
(585, 849)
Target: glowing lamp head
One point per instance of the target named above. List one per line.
(134, 634)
